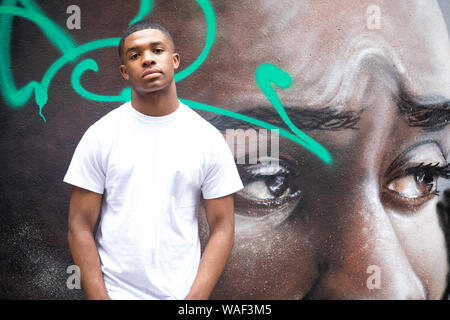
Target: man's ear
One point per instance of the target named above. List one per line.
(124, 72)
(176, 60)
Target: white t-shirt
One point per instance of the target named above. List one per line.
(151, 171)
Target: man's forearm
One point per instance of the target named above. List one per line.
(85, 256)
(213, 262)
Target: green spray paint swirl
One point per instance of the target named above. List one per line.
(265, 75)
(13, 96)
(31, 11)
(144, 10)
(125, 95)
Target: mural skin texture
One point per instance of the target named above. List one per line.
(361, 105)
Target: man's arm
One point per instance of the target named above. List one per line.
(83, 214)
(220, 217)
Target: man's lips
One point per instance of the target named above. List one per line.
(151, 73)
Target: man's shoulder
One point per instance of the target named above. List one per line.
(110, 119)
(102, 130)
(202, 126)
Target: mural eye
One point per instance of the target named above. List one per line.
(412, 178)
(267, 186)
(415, 185)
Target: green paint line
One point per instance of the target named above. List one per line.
(210, 17)
(58, 38)
(144, 10)
(90, 64)
(265, 75)
(70, 56)
(325, 157)
(29, 4)
(55, 34)
(126, 93)
(14, 97)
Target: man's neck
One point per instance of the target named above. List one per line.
(156, 104)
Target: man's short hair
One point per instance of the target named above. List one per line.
(138, 26)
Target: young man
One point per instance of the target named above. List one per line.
(144, 166)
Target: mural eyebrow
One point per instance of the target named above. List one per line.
(429, 115)
(322, 119)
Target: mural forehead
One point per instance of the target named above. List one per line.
(302, 41)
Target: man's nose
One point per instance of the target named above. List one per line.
(148, 59)
(362, 256)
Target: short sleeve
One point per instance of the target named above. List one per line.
(222, 177)
(86, 170)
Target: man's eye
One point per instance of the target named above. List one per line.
(134, 56)
(158, 50)
(415, 185)
(267, 187)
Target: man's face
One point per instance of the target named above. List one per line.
(311, 230)
(149, 61)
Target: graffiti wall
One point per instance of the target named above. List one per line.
(339, 110)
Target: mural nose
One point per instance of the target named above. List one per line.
(364, 259)
(388, 280)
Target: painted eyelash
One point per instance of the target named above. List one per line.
(434, 169)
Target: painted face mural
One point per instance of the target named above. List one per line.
(342, 206)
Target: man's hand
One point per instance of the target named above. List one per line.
(220, 217)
